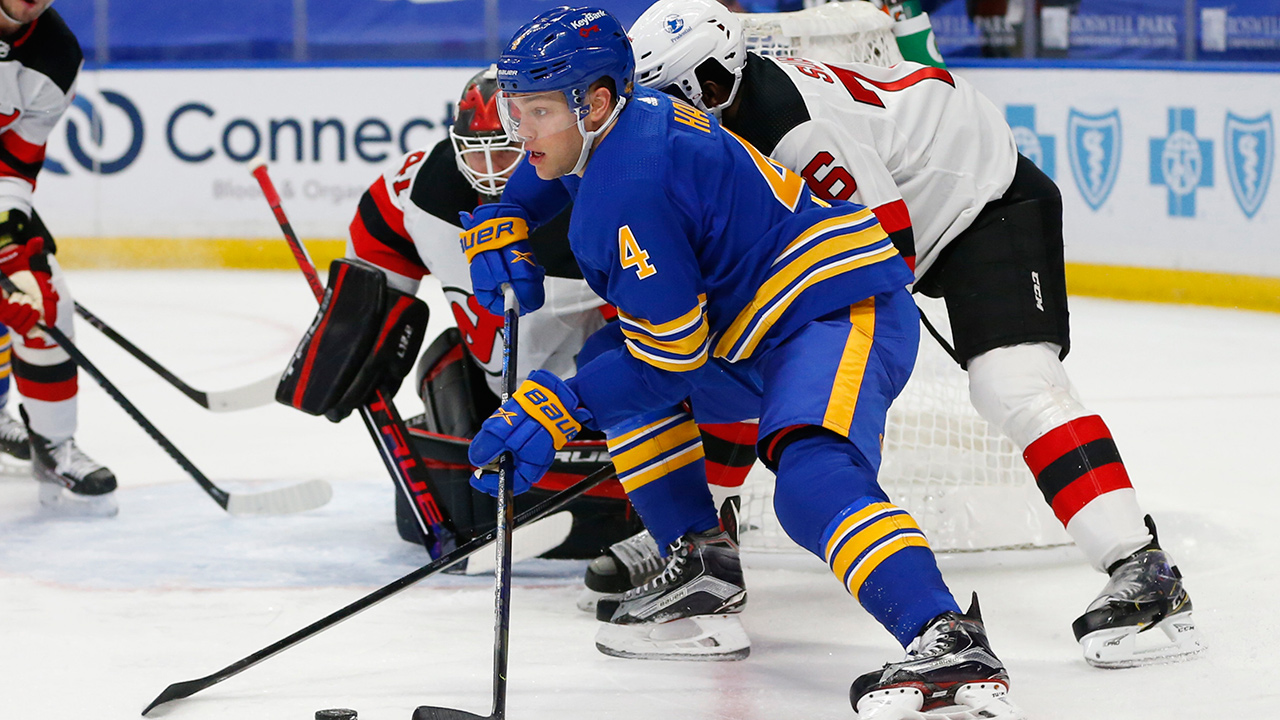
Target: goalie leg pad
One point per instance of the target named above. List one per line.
(344, 357)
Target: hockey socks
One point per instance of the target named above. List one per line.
(829, 502)
(1079, 471)
(660, 462)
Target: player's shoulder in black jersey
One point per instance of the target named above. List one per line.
(770, 107)
(49, 48)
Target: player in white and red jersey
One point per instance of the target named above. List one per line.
(407, 224)
(39, 62)
(939, 166)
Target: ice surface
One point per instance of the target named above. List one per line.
(98, 616)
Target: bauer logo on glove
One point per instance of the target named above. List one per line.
(495, 240)
(537, 421)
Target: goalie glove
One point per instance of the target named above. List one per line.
(495, 239)
(532, 425)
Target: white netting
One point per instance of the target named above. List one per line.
(963, 482)
(836, 32)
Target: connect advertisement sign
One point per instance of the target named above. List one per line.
(165, 153)
(1157, 168)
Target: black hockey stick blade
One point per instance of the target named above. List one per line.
(256, 394)
(553, 504)
(271, 502)
(430, 712)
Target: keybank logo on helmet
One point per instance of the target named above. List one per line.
(587, 19)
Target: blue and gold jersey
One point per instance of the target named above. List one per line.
(707, 248)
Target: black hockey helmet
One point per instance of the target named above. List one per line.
(477, 134)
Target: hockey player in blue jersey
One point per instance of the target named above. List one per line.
(738, 290)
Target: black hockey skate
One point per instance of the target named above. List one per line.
(949, 672)
(687, 612)
(1143, 615)
(14, 440)
(625, 565)
(70, 481)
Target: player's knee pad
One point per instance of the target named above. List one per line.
(364, 338)
(1023, 390)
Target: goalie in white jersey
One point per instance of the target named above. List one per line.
(41, 60)
(938, 164)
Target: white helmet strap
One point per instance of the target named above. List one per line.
(589, 136)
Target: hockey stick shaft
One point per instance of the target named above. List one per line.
(547, 507)
(253, 395)
(380, 416)
(219, 495)
(506, 504)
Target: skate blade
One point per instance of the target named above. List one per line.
(707, 638)
(1170, 640)
(13, 468)
(587, 600)
(58, 500)
(975, 701)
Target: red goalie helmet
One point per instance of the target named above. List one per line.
(486, 156)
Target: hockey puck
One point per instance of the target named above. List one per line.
(336, 714)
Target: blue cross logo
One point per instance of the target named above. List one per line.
(1039, 149)
(1182, 162)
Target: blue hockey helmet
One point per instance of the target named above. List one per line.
(562, 52)
(568, 49)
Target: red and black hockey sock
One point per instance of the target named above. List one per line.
(50, 383)
(1074, 464)
(731, 451)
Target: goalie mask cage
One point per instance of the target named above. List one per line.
(964, 482)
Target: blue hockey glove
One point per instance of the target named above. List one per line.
(539, 419)
(495, 240)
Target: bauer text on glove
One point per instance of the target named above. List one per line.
(539, 419)
(495, 239)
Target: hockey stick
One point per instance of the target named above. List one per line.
(506, 501)
(553, 504)
(296, 498)
(380, 416)
(253, 395)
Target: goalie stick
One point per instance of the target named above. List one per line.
(380, 416)
(551, 505)
(256, 394)
(296, 498)
(506, 501)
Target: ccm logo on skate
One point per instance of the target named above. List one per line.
(1035, 284)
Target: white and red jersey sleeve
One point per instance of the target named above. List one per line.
(37, 84)
(377, 233)
(945, 147)
(407, 224)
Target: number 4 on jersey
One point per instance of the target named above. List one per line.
(630, 254)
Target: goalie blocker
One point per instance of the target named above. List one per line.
(344, 357)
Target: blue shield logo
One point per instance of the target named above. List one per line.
(1250, 150)
(1093, 142)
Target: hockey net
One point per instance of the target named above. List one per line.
(836, 32)
(965, 483)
